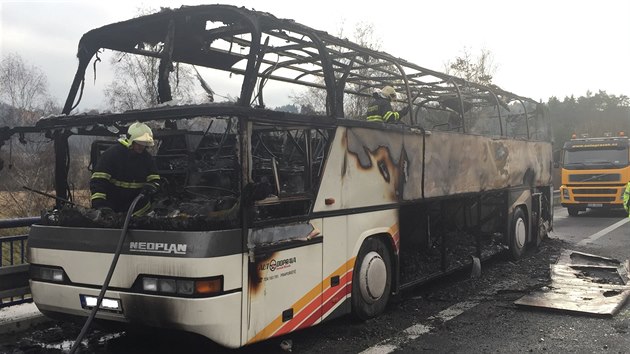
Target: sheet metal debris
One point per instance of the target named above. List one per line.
(585, 283)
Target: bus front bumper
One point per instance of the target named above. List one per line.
(217, 318)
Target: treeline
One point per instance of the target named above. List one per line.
(592, 114)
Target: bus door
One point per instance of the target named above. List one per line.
(284, 245)
(285, 272)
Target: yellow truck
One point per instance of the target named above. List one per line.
(594, 172)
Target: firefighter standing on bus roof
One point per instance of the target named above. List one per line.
(125, 170)
(626, 199)
(380, 108)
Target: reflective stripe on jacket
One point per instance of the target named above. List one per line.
(119, 176)
(380, 110)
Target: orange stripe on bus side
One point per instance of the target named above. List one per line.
(312, 308)
(394, 232)
(299, 305)
(310, 313)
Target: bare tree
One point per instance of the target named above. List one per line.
(313, 100)
(29, 158)
(135, 84)
(478, 69)
(24, 87)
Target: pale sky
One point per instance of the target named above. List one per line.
(541, 48)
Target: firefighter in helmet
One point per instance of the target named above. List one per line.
(380, 108)
(125, 170)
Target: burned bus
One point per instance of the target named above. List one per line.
(269, 221)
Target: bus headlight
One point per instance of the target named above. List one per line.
(43, 273)
(182, 286)
(186, 287)
(149, 284)
(167, 286)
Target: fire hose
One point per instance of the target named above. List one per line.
(112, 267)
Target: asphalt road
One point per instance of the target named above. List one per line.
(456, 314)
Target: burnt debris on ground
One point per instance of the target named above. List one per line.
(583, 283)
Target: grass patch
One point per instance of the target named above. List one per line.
(18, 256)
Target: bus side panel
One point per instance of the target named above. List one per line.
(382, 222)
(362, 170)
(337, 269)
(284, 291)
(371, 167)
(460, 163)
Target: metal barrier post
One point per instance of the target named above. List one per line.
(14, 288)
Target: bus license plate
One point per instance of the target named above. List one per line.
(595, 205)
(88, 302)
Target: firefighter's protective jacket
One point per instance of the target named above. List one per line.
(380, 110)
(626, 199)
(119, 176)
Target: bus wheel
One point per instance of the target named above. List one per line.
(372, 279)
(518, 233)
(573, 211)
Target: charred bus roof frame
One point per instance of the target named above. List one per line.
(342, 67)
(187, 41)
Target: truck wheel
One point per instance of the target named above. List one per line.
(372, 279)
(518, 233)
(573, 211)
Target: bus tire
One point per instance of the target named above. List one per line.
(518, 233)
(573, 211)
(371, 280)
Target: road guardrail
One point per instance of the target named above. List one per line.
(14, 288)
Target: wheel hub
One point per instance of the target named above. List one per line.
(372, 277)
(520, 234)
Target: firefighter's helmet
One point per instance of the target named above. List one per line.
(140, 133)
(388, 92)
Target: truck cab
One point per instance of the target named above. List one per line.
(594, 172)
